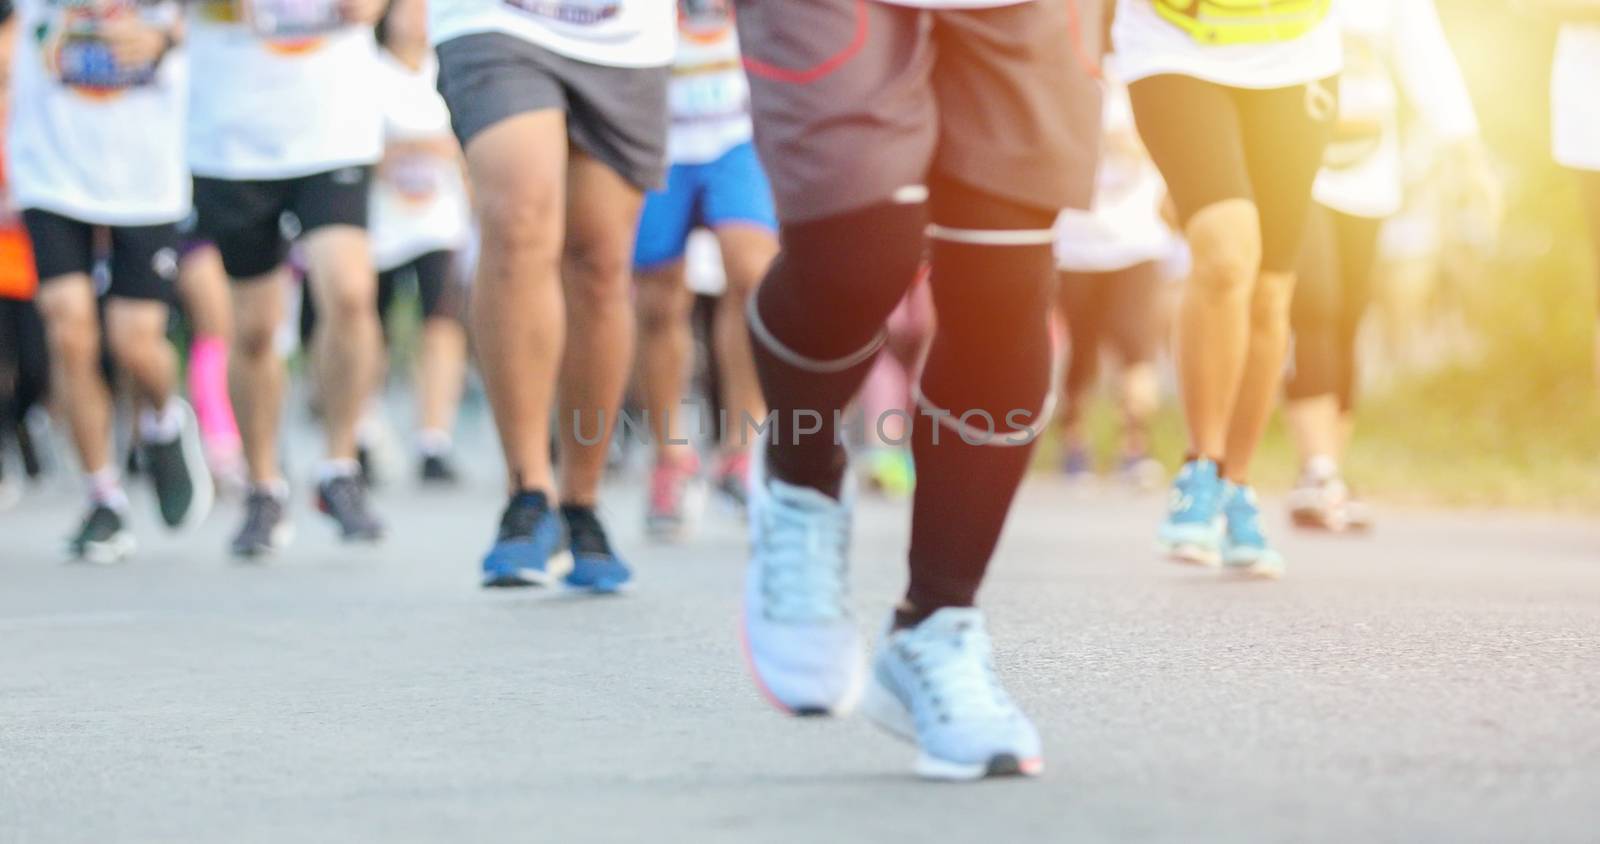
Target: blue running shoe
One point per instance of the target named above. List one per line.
(1244, 546)
(1192, 532)
(935, 685)
(799, 636)
(595, 567)
(529, 547)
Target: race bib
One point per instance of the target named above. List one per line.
(280, 19)
(83, 60)
(572, 12)
(709, 91)
(416, 178)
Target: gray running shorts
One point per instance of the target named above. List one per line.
(855, 100)
(616, 114)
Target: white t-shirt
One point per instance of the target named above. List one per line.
(1124, 228)
(619, 33)
(278, 107)
(86, 140)
(1574, 102)
(419, 201)
(709, 95)
(1148, 45)
(1391, 47)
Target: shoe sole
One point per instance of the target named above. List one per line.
(280, 538)
(1255, 570)
(889, 714)
(372, 538)
(1190, 554)
(115, 549)
(843, 707)
(555, 564)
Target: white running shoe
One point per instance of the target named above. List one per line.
(800, 638)
(935, 685)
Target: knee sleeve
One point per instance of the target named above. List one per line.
(993, 281)
(830, 291)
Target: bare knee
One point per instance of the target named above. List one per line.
(72, 325)
(135, 330)
(1225, 243)
(255, 332)
(663, 300)
(521, 225)
(598, 266)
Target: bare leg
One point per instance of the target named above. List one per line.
(348, 339)
(1141, 395)
(518, 172)
(441, 369)
(665, 348)
(72, 327)
(747, 252)
(603, 211)
(257, 374)
(1263, 374)
(1316, 427)
(203, 284)
(1214, 320)
(136, 330)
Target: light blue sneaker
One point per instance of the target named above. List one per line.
(1244, 546)
(935, 685)
(798, 633)
(530, 547)
(1192, 532)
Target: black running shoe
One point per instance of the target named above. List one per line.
(345, 499)
(266, 526)
(101, 538)
(439, 470)
(178, 471)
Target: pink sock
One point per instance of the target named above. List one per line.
(208, 390)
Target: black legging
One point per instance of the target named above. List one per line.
(1330, 298)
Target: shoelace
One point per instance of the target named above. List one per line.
(1193, 497)
(344, 496)
(584, 532)
(956, 670)
(261, 513)
(101, 522)
(803, 562)
(1244, 521)
(519, 519)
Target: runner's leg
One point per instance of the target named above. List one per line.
(1285, 132)
(442, 357)
(1312, 407)
(518, 172)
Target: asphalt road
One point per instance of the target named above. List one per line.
(1439, 680)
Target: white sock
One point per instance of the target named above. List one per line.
(327, 470)
(1322, 467)
(105, 487)
(161, 426)
(432, 442)
(277, 488)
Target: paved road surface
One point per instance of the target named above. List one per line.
(1440, 680)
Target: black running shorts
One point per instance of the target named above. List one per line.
(245, 217)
